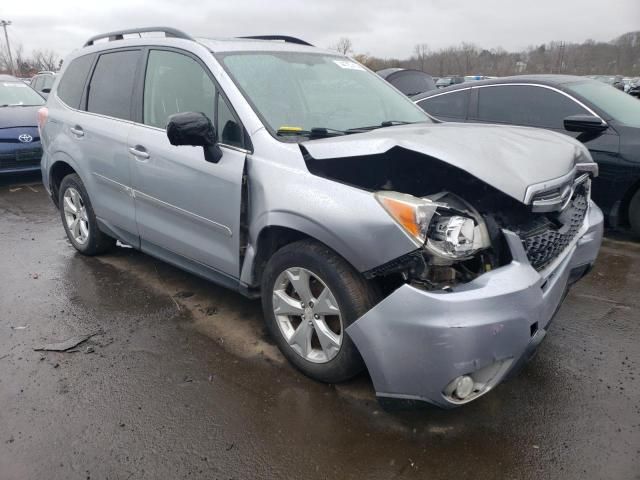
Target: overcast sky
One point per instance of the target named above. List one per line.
(385, 28)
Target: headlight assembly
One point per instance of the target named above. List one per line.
(446, 226)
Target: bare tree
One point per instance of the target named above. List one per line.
(344, 46)
(421, 52)
(45, 59)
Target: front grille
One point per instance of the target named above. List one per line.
(21, 158)
(549, 239)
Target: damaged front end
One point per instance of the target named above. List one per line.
(474, 299)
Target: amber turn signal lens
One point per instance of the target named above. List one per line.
(404, 213)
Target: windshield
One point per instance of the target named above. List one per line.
(18, 94)
(301, 93)
(618, 105)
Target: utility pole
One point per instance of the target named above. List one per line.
(4, 24)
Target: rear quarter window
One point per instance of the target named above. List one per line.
(448, 106)
(73, 80)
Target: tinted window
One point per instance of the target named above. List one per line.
(111, 85)
(72, 82)
(449, 105)
(229, 130)
(35, 82)
(175, 83)
(412, 83)
(524, 105)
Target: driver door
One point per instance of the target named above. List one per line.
(187, 209)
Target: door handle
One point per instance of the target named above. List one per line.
(139, 152)
(77, 131)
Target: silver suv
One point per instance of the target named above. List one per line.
(433, 255)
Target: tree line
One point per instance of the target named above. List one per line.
(620, 56)
(28, 65)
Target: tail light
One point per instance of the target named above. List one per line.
(43, 115)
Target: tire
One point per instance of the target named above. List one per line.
(634, 214)
(347, 290)
(95, 242)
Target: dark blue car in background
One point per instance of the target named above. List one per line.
(20, 149)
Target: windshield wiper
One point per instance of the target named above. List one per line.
(386, 123)
(315, 132)
(16, 105)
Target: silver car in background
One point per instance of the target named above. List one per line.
(433, 255)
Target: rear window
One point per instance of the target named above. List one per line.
(412, 83)
(447, 106)
(72, 82)
(111, 86)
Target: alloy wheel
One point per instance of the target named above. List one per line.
(75, 215)
(308, 315)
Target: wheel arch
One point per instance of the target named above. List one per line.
(274, 235)
(61, 166)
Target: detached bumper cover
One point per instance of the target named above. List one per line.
(416, 342)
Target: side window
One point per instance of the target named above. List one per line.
(525, 105)
(111, 86)
(447, 106)
(48, 81)
(175, 83)
(72, 82)
(228, 127)
(35, 84)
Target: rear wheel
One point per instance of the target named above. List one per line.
(634, 214)
(310, 296)
(79, 219)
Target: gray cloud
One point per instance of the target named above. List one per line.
(378, 27)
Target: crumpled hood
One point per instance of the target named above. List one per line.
(505, 157)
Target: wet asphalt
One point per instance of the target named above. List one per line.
(181, 380)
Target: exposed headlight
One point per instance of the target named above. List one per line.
(443, 230)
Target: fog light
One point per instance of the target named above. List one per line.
(463, 386)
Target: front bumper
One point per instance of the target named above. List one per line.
(416, 342)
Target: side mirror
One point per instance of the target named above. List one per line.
(194, 129)
(46, 90)
(584, 124)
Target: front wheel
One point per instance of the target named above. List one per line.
(310, 296)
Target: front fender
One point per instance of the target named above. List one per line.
(365, 246)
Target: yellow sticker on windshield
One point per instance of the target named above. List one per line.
(285, 128)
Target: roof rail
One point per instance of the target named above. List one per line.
(284, 38)
(119, 34)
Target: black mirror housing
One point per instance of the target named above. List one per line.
(191, 128)
(46, 90)
(584, 124)
(194, 129)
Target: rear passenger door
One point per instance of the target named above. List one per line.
(188, 209)
(102, 136)
(448, 107)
